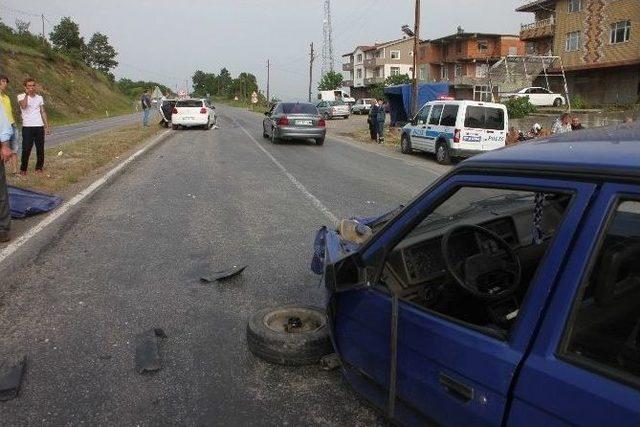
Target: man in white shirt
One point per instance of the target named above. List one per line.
(34, 125)
(5, 154)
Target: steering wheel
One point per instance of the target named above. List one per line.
(492, 273)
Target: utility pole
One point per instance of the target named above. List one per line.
(311, 58)
(416, 41)
(268, 80)
(43, 39)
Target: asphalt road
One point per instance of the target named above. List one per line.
(131, 259)
(67, 133)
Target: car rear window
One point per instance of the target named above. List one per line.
(449, 115)
(484, 118)
(336, 103)
(189, 103)
(299, 108)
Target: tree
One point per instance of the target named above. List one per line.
(330, 81)
(22, 27)
(99, 54)
(66, 37)
(397, 79)
(225, 82)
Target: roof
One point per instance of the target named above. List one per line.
(532, 6)
(465, 35)
(604, 151)
(366, 48)
(363, 48)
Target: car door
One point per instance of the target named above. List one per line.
(433, 130)
(447, 372)
(584, 368)
(419, 128)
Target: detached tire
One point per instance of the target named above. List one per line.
(289, 335)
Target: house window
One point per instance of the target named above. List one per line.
(620, 32)
(459, 70)
(483, 45)
(395, 54)
(379, 54)
(575, 6)
(482, 93)
(513, 50)
(395, 71)
(573, 41)
(379, 72)
(422, 73)
(359, 73)
(359, 57)
(444, 72)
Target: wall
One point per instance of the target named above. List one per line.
(594, 21)
(619, 85)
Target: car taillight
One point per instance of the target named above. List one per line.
(334, 109)
(203, 110)
(174, 111)
(283, 121)
(321, 123)
(456, 135)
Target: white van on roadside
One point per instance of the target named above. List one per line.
(456, 129)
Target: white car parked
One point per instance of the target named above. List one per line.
(538, 96)
(193, 112)
(363, 106)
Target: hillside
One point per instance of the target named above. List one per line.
(72, 91)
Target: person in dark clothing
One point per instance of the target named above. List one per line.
(5, 154)
(372, 120)
(145, 101)
(575, 123)
(381, 116)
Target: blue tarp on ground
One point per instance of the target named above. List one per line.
(25, 203)
(400, 98)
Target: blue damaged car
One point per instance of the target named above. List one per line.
(507, 293)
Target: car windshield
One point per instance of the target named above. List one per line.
(299, 108)
(189, 103)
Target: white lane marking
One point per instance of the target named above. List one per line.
(317, 203)
(13, 246)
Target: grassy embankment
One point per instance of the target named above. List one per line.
(72, 91)
(68, 164)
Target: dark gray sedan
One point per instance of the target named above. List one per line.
(294, 120)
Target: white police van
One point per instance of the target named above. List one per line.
(456, 129)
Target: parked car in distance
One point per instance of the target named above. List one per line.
(333, 109)
(538, 96)
(363, 106)
(294, 120)
(450, 128)
(505, 294)
(192, 113)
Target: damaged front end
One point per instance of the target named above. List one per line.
(335, 250)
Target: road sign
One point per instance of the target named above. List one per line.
(254, 98)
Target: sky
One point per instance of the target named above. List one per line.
(166, 41)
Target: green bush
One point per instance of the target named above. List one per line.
(519, 107)
(577, 103)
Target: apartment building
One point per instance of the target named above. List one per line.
(598, 42)
(464, 59)
(372, 64)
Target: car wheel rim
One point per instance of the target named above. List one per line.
(440, 153)
(294, 320)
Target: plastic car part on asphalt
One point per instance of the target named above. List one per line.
(147, 351)
(219, 276)
(11, 372)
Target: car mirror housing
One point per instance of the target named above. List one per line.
(345, 275)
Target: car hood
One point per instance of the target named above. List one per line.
(332, 244)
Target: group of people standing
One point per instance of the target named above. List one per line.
(377, 117)
(34, 127)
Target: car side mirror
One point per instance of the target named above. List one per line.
(414, 121)
(345, 275)
(267, 113)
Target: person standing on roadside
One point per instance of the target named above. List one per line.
(5, 155)
(372, 120)
(34, 125)
(145, 100)
(8, 112)
(381, 116)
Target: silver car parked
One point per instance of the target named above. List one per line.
(333, 109)
(294, 120)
